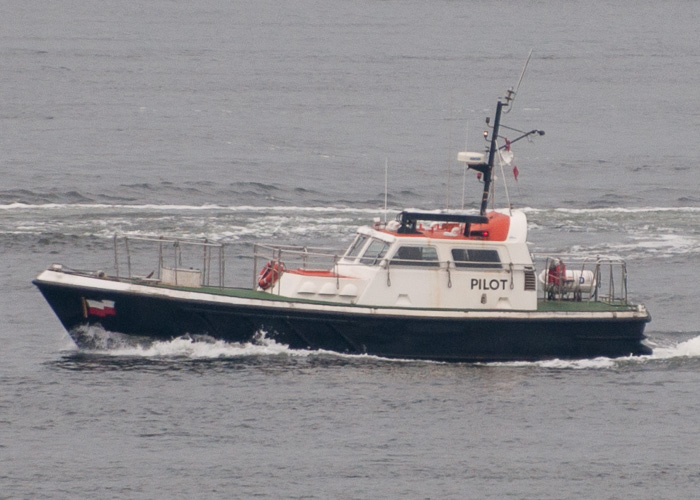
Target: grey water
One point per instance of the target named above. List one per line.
(240, 121)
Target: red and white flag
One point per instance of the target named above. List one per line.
(100, 308)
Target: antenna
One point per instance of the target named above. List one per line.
(511, 94)
(464, 171)
(449, 156)
(386, 186)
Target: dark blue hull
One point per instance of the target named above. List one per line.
(503, 338)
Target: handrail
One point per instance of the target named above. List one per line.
(601, 271)
(181, 241)
(211, 251)
(314, 251)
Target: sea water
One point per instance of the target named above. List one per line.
(241, 122)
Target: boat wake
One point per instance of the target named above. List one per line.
(192, 348)
(100, 342)
(95, 340)
(686, 350)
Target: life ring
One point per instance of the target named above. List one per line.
(270, 273)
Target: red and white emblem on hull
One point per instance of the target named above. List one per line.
(99, 308)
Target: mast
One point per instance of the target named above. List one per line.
(488, 168)
(476, 161)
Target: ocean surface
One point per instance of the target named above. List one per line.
(248, 121)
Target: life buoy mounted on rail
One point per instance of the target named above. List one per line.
(270, 273)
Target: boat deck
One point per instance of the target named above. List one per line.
(582, 306)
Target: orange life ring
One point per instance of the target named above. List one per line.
(270, 273)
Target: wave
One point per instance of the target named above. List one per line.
(187, 208)
(612, 210)
(189, 348)
(645, 246)
(689, 349)
(650, 232)
(105, 343)
(134, 191)
(19, 205)
(686, 349)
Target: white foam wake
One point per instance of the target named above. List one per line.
(186, 208)
(564, 364)
(185, 348)
(312, 209)
(114, 344)
(687, 349)
(613, 210)
(108, 343)
(189, 348)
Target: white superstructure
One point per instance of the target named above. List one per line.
(424, 260)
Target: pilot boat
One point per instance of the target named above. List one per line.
(434, 285)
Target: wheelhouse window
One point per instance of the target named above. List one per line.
(416, 256)
(375, 252)
(356, 246)
(476, 258)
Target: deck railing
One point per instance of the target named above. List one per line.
(195, 263)
(294, 257)
(571, 277)
(180, 262)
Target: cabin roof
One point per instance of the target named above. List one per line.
(492, 227)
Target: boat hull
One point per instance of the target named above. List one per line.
(163, 313)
